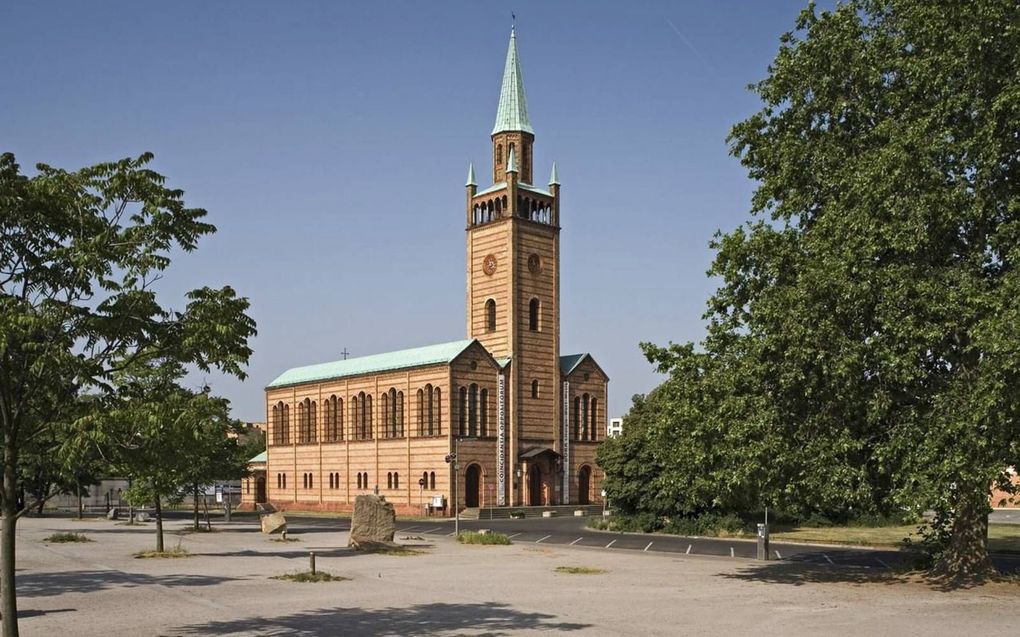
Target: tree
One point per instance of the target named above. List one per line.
(79, 254)
(867, 329)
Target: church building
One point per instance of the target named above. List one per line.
(520, 421)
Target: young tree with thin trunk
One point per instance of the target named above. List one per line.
(79, 254)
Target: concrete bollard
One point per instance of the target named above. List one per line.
(311, 561)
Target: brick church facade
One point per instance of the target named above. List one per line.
(523, 419)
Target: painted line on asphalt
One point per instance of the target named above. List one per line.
(611, 543)
(510, 537)
(545, 538)
(450, 533)
(410, 528)
(778, 555)
(688, 549)
(649, 546)
(827, 559)
(880, 561)
(731, 552)
(576, 541)
(432, 530)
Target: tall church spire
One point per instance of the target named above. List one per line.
(512, 114)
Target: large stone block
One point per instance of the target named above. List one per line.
(373, 523)
(273, 522)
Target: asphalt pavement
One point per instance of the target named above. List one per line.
(571, 531)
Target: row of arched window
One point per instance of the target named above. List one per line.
(585, 418)
(527, 208)
(473, 415)
(534, 315)
(392, 424)
(362, 480)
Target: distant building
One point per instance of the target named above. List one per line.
(615, 427)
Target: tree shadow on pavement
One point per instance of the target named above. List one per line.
(491, 620)
(60, 582)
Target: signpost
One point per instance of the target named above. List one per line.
(566, 442)
(501, 441)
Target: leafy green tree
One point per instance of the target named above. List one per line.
(79, 254)
(866, 332)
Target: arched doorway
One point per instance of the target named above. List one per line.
(472, 485)
(534, 486)
(260, 489)
(584, 485)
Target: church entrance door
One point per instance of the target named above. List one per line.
(260, 489)
(534, 486)
(472, 486)
(584, 485)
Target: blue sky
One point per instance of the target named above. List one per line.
(330, 142)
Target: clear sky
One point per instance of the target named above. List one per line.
(330, 143)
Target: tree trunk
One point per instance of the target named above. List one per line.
(77, 486)
(966, 558)
(196, 507)
(159, 526)
(8, 592)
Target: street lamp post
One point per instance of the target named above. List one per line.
(453, 459)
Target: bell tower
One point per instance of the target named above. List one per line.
(513, 300)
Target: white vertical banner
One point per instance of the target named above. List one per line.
(566, 442)
(501, 440)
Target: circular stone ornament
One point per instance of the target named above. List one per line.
(489, 265)
(535, 264)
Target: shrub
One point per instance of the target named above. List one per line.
(580, 570)
(308, 576)
(60, 538)
(471, 537)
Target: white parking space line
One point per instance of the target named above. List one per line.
(731, 552)
(432, 530)
(688, 552)
(611, 543)
(410, 528)
(450, 533)
(545, 538)
(576, 541)
(510, 537)
(828, 559)
(778, 555)
(649, 546)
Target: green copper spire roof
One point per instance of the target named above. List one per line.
(554, 178)
(512, 114)
(471, 175)
(511, 163)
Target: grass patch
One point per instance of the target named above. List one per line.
(61, 538)
(172, 553)
(472, 537)
(285, 539)
(580, 570)
(309, 577)
(189, 530)
(1002, 538)
(399, 551)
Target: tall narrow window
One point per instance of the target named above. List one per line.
(483, 406)
(577, 418)
(396, 480)
(285, 481)
(424, 479)
(437, 407)
(462, 424)
(313, 423)
(277, 436)
(432, 480)
(428, 410)
(499, 153)
(400, 414)
(490, 315)
(310, 483)
(385, 400)
(389, 480)
(534, 388)
(421, 412)
(338, 416)
(391, 423)
(301, 412)
(594, 418)
(473, 411)
(534, 315)
(584, 417)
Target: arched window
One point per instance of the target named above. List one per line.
(330, 479)
(313, 423)
(437, 408)
(359, 479)
(277, 437)
(389, 480)
(584, 417)
(400, 414)
(285, 481)
(301, 422)
(421, 412)
(424, 479)
(432, 480)
(310, 483)
(338, 418)
(524, 159)
(462, 423)
(429, 427)
(484, 407)
(534, 315)
(473, 411)
(368, 417)
(577, 418)
(391, 417)
(490, 315)
(279, 481)
(534, 388)
(499, 153)
(396, 480)
(594, 418)
(385, 400)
